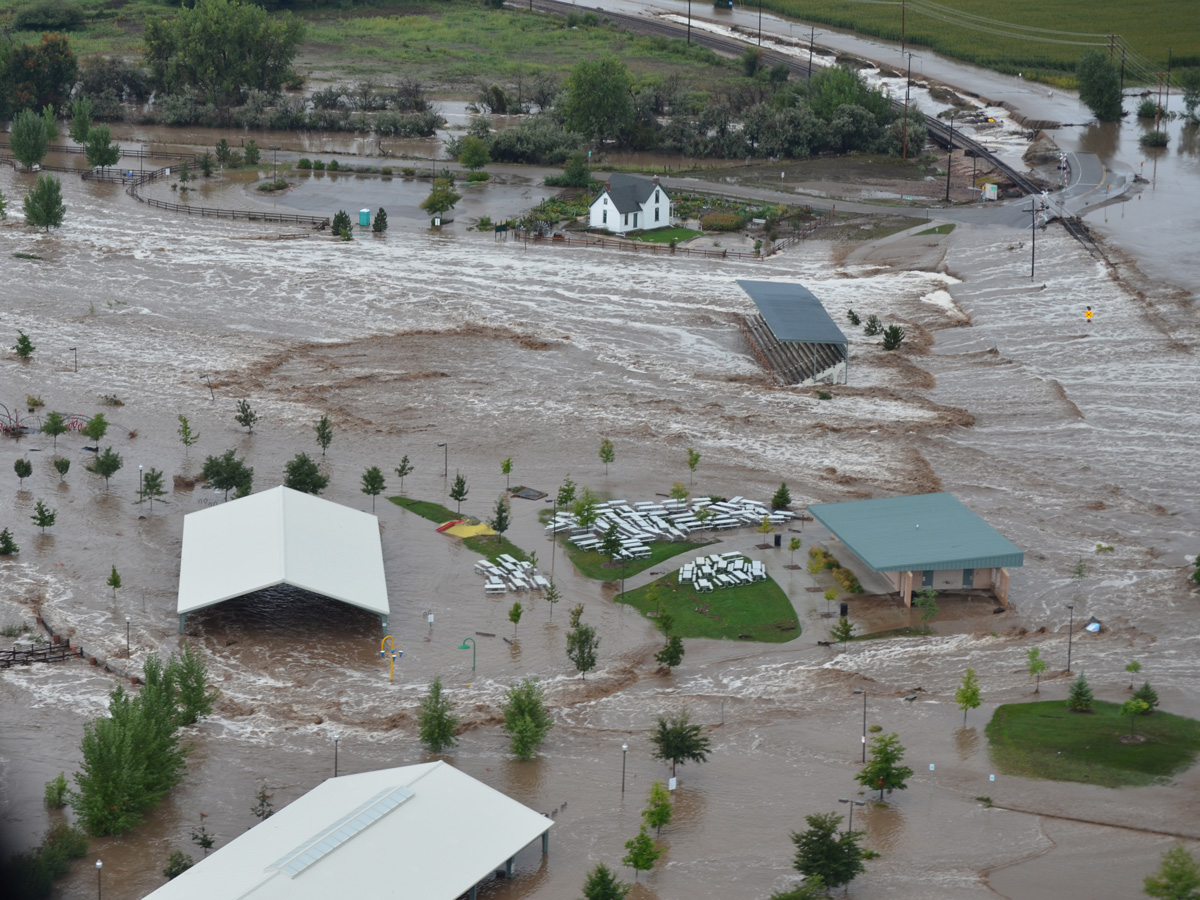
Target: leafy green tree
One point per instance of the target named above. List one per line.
(1177, 878)
(1036, 666)
(764, 527)
(679, 491)
(43, 205)
(643, 853)
(114, 581)
(582, 643)
(836, 87)
(566, 494)
(599, 101)
(678, 740)
(525, 718)
(843, 631)
(379, 226)
(436, 722)
(95, 428)
(54, 424)
(28, 140)
(263, 808)
(43, 517)
(226, 473)
(8, 546)
(301, 473)
(403, 471)
(506, 470)
(373, 484)
(607, 453)
(194, 697)
(968, 696)
(577, 172)
(442, 197)
(1147, 695)
(106, 465)
(926, 602)
(1079, 697)
(23, 468)
(152, 486)
(222, 49)
(501, 518)
(671, 655)
(514, 615)
(24, 347)
(177, 863)
(584, 508)
(602, 884)
(187, 437)
(324, 431)
(883, 770)
(473, 153)
(610, 541)
(459, 490)
(552, 595)
(794, 544)
(1132, 667)
(1134, 708)
(693, 461)
(658, 811)
(245, 416)
(62, 465)
(1099, 85)
(782, 498)
(99, 150)
(821, 851)
(702, 516)
(81, 118)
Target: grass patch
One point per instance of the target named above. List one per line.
(26, 256)
(434, 512)
(594, 564)
(487, 545)
(938, 229)
(902, 631)
(1044, 740)
(666, 235)
(761, 610)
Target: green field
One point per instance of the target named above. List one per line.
(1044, 740)
(434, 512)
(1000, 42)
(759, 611)
(595, 564)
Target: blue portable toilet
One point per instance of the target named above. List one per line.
(364, 218)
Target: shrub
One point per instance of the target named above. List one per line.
(1147, 109)
(853, 317)
(277, 185)
(319, 165)
(847, 580)
(333, 165)
(408, 171)
(484, 223)
(56, 792)
(1154, 139)
(177, 863)
(722, 221)
(824, 395)
(304, 163)
(893, 337)
(48, 15)
(474, 177)
(872, 326)
(386, 171)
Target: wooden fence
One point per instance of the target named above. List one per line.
(46, 653)
(634, 246)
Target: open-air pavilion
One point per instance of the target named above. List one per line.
(426, 831)
(923, 541)
(281, 536)
(793, 336)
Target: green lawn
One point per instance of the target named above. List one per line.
(487, 545)
(434, 512)
(595, 564)
(937, 229)
(760, 611)
(666, 235)
(1044, 740)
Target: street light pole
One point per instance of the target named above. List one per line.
(864, 734)
(127, 637)
(141, 493)
(1070, 632)
(76, 355)
(99, 886)
(853, 803)
(760, 23)
(689, 36)
(445, 460)
(463, 646)
(336, 737)
(624, 750)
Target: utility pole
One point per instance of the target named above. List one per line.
(1158, 106)
(1033, 211)
(949, 157)
(760, 23)
(903, 17)
(1122, 71)
(1167, 108)
(907, 79)
(689, 40)
(812, 36)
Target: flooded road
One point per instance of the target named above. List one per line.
(1059, 433)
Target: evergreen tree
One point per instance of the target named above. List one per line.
(7, 545)
(458, 491)
(436, 722)
(225, 473)
(602, 884)
(1177, 878)
(302, 474)
(1147, 695)
(152, 486)
(341, 226)
(24, 346)
(62, 465)
(195, 698)
(54, 425)
(968, 696)
(782, 498)
(324, 433)
(642, 853)
(821, 851)
(500, 519)
(106, 465)
(253, 154)
(95, 428)
(373, 484)
(43, 205)
(379, 226)
(23, 468)
(245, 416)
(43, 516)
(1079, 698)
(525, 718)
(842, 632)
(883, 770)
(582, 643)
(658, 811)
(607, 453)
(677, 740)
(403, 471)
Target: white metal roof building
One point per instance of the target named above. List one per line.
(281, 536)
(426, 831)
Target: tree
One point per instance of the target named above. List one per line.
(54, 424)
(764, 527)
(607, 454)
(114, 581)
(693, 461)
(81, 118)
(552, 595)
(1132, 667)
(830, 595)
(263, 808)
(514, 615)
(584, 508)
(246, 416)
(43, 73)
(968, 696)
(473, 153)
(525, 718)
(99, 150)
(576, 171)
(24, 348)
(1148, 695)
(95, 428)
(602, 884)
(436, 722)
(610, 541)
(1189, 80)
(821, 851)
(458, 490)
(28, 140)
(679, 491)
(63, 465)
(3, 207)
(599, 102)
(1099, 85)
(883, 769)
(812, 888)
(1177, 878)
(793, 545)
(341, 226)
(177, 863)
(23, 468)
(207, 166)
(44, 205)
(43, 516)
(222, 49)
(379, 226)
(926, 602)
(442, 197)
(842, 632)
(677, 740)
(702, 516)
(253, 154)
(671, 655)
(187, 437)
(566, 494)
(658, 811)
(643, 853)
(782, 498)
(501, 518)
(225, 473)
(893, 337)
(302, 474)
(1134, 708)
(324, 431)
(194, 698)
(373, 484)
(7, 545)
(201, 836)
(582, 643)
(106, 465)
(152, 486)
(403, 471)
(506, 471)
(1079, 697)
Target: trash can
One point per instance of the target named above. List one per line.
(364, 218)
(845, 610)
(779, 540)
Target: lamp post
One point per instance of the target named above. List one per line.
(853, 803)
(1070, 632)
(337, 736)
(949, 157)
(76, 355)
(624, 750)
(445, 460)
(141, 493)
(275, 164)
(127, 637)
(99, 886)
(396, 654)
(864, 734)
(463, 646)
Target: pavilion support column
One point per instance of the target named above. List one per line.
(545, 843)
(383, 623)
(474, 895)
(182, 622)
(508, 868)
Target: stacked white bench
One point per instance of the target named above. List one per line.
(721, 570)
(509, 574)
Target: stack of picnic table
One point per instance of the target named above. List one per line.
(721, 570)
(509, 574)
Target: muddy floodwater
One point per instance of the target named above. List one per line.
(1062, 434)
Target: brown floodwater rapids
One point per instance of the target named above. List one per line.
(1061, 434)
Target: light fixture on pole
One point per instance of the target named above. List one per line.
(396, 654)
(74, 352)
(1070, 632)
(624, 750)
(853, 803)
(127, 618)
(463, 646)
(99, 886)
(445, 460)
(141, 493)
(864, 734)
(337, 736)
(275, 164)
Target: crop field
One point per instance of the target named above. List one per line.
(1036, 38)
